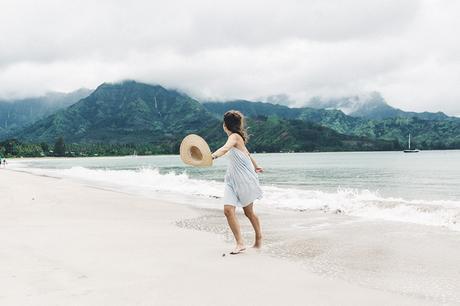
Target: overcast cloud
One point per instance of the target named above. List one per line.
(407, 50)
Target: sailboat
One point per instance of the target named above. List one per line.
(411, 150)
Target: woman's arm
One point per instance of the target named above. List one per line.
(231, 142)
(254, 163)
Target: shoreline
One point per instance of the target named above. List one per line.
(155, 176)
(176, 154)
(65, 242)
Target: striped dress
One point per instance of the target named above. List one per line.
(241, 180)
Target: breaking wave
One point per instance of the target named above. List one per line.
(353, 202)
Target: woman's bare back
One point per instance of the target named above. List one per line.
(240, 145)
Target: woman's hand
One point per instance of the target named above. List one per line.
(259, 169)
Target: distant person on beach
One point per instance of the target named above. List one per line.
(4, 163)
(241, 180)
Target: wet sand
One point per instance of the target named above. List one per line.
(409, 259)
(67, 243)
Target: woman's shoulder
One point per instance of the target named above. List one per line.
(239, 142)
(236, 137)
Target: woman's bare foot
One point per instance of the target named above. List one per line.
(238, 249)
(258, 243)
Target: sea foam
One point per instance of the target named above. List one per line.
(353, 202)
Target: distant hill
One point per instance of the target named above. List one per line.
(334, 119)
(274, 134)
(128, 112)
(253, 109)
(435, 133)
(15, 114)
(371, 106)
(136, 113)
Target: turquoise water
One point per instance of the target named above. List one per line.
(422, 188)
(429, 175)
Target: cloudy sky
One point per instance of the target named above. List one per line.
(408, 50)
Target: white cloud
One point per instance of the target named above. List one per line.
(238, 49)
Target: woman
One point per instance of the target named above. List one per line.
(241, 181)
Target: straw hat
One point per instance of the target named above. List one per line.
(195, 151)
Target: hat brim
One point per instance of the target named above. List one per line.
(195, 151)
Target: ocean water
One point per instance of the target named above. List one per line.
(421, 188)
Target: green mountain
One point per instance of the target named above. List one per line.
(274, 134)
(136, 113)
(334, 119)
(128, 112)
(131, 116)
(16, 114)
(427, 134)
(254, 109)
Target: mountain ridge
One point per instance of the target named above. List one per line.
(429, 134)
(372, 106)
(121, 110)
(131, 112)
(16, 114)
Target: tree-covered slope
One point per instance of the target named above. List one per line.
(334, 119)
(137, 113)
(273, 134)
(16, 114)
(427, 134)
(253, 109)
(128, 112)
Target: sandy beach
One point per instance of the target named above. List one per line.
(69, 243)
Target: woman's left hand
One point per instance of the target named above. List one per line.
(259, 169)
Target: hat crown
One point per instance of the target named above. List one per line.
(195, 151)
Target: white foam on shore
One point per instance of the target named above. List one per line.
(361, 203)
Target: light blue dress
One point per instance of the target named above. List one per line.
(241, 180)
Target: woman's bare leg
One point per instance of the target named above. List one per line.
(249, 212)
(232, 220)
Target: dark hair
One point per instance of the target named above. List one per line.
(234, 122)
